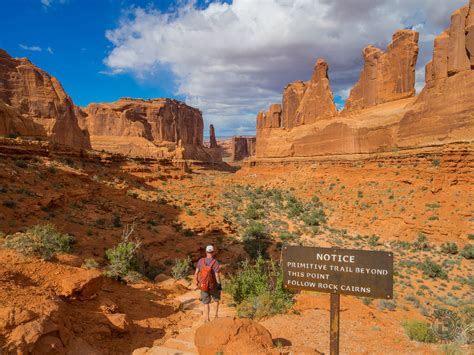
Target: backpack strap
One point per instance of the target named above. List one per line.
(213, 262)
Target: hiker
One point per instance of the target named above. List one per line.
(208, 280)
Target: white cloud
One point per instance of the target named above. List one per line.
(49, 3)
(232, 60)
(31, 48)
(50, 50)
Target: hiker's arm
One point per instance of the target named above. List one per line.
(196, 275)
(218, 277)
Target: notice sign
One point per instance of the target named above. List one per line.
(340, 271)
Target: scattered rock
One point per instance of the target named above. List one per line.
(84, 284)
(11, 317)
(120, 322)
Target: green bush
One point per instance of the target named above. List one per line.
(40, 240)
(90, 264)
(373, 240)
(419, 331)
(421, 242)
(314, 217)
(256, 240)
(123, 257)
(468, 251)
(449, 248)
(433, 270)
(257, 289)
(181, 268)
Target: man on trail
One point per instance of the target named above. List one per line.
(208, 280)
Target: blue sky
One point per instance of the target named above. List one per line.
(228, 58)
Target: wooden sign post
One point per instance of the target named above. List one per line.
(338, 271)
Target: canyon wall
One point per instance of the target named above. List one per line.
(40, 100)
(242, 147)
(382, 112)
(158, 128)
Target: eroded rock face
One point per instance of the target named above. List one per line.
(35, 94)
(153, 128)
(292, 96)
(212, 137)
(12, 123)
(444, 110)
(242, 147)
(317, 101)
(386, 76)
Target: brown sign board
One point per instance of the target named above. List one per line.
(340, 271)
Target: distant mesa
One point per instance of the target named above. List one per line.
(382, 112)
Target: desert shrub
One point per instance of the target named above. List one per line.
(436, 163)
(288, 237)
(123, 257)
(385, 304)
(257, 289)
(181, 268)
(21, 163)
(433, 270)
(133, 277)
(256, 240)
(373, 240)
(252, 212)
(468, 251)
(90, 264)
(294, 206)
(40, 240)
(470, 236)
(449, 248)
(9, 204)
(314, 217)
(421, 242)
(419, 331)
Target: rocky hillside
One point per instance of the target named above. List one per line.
(46, 108)
(382, 112)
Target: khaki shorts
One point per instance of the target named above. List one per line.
(206, 296)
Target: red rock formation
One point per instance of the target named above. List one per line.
(153, 128)
(34, 93)
(382, 112)
(242, 147)
(386, 76)
(444, 110)
(11, 122)
(317, 101)
(292, 96)
(212, 137)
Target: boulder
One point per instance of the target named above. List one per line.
(120, 323)
(11, 317)
(36, 95)
(386, 76)
(84, 284)
(233, 336)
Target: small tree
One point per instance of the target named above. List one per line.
(123, 257)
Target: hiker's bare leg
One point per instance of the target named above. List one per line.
(217, 309)
(206, 311)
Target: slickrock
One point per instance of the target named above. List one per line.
(242, 147)
(35, 94)
(212, 137)
(386, 76)
(317, 101)
(233, 336)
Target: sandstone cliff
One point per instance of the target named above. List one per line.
(242, 147)
(212, 137)
(12, 123)
(382, 112)
(444, 110)
(34, 94)
(386, 76)
(153, 128)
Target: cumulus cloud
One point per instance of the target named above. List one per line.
(233, 60)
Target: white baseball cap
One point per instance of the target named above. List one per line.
(209, 249)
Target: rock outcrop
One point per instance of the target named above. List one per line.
(158, 128)
(444, 110)
(386, 76)
(12, 123)
(233, 336)
(242, 147)
(37, 96)
(382, 112)
(212, 137)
